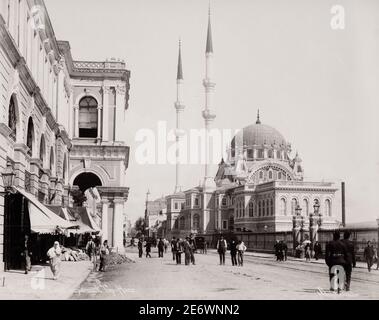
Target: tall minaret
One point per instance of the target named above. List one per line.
(179, 106)
(208, 112)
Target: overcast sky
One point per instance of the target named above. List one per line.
(316, 85)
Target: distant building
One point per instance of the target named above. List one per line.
(155, 215)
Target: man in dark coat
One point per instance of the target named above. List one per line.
(148, 248)
(160, 248)
(187, 251)
(233, 252)
(173, 248)
(140, 248)
(335, 258)
(317, 249)
(284, 249)
(350, 260)
(192, 244)
(369, 254)
(178, 251)
(221, 249)
(276, 248)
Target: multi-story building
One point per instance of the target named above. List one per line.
(59, 119)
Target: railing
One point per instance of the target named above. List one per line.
(94, 65)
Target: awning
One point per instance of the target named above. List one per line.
(83, 219)
(42, 219)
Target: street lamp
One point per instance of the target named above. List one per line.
(8, 177)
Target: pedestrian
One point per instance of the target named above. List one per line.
(54, 255)
(368, 255)
(307, 250)
(26, 253)
(350, 260)
(140, 247)
(205, 247)
(192, 244)
(233, 252)
(277, 250)
(160, 248)
(187, 251)
(178, 250)
(104, 252)
(317, 250)
(173, 248)
(165, 245)
(90, 248)
(284, 249)
(335, 258)
(221, 249)
(241, 248)
(148, 248)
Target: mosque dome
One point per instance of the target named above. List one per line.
(258, 134)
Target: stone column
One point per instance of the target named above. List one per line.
(104, 219)
(44, 187)
(76, 121)
(118, 223)
(35, 165)
(99, 108)
(120, 110)
(105, 125)
(58, 193)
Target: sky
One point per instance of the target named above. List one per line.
(316, 85)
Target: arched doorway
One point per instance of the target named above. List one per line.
(84, 181)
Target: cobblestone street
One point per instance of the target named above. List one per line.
(260, 278)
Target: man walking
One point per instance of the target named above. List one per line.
(140, 247)
(284, 249)
(233, 252)
(221, 249)
(90, 248)
(335, 258)
(160, 248)
(148, 248)
(187, 251)
(173, 248)
(26, 253)
(178, 251)
(350, 260)
(317, 250)
(369, 254)
(241, 248)
(192, 249)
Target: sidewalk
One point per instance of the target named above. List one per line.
(39, 283)
(359, 264)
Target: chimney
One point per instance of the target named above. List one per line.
(343, 204)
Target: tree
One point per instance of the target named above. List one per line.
(140, 225)
(78, 197)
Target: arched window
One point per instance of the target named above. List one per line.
(42, 150)
(12, 118)
(278, 155)
(182, 223)
(293, 206)
(196, 222)
(327, 208)
(196, 201)
(283, 207)
(88, 118)
(305, 207)
(30, 136)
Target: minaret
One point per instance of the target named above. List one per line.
(179, 106)
(208, 112)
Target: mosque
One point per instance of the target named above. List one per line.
(258, 188)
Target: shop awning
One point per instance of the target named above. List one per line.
(42, 219)
(84, 220)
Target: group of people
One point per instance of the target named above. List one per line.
(237, 248)
(186, 246)
(281, 249)
(162, 245)
(103, 251)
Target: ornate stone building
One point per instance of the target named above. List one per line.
(59, 119)
(258, 188)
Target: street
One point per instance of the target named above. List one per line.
(259, 278)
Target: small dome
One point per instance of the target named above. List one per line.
(258, 134)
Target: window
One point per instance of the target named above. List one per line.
(12, 119)
(270, 154)
(327, 208)
(224, 224)
(260, 153)
(272, 207)
(260, 174)
(42, 150)
(182, 223)
(30, 136)
(176, 206)
(182, 205)
(283, 207)
(250, 153)
(263, 208)
(196, 202)
(88, 118)
(305, 207)
(251, 209)
(278, 154)
(279, 175)
(259, 209)
(293, 206)
(224, 202)
(270, 175)
(196, 222)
